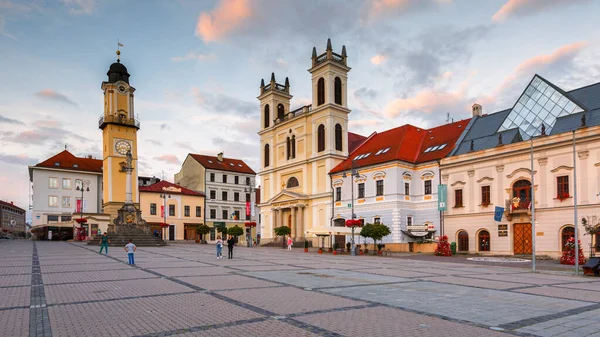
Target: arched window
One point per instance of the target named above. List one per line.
(566, 234)
(463, 241)
(483, 239)
(294, 146)
(266, 155)
(280, 112)
(320, 91)
(288, 148)
(292, 182)
(521, 194)
(338, 137)
(321, 138)
(267, 117)
(338, 91)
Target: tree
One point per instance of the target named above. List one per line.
(282, 231)
(365, 232)
(378, 231)
(235, 231)
(222, 229)
(202, 230)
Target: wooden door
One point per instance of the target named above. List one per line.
(190, 234)
(522, 238)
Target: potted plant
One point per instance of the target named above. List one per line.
(330, 249)
(305, 246)
(202, 230)
(320, 251)
(348, 246)
(379, 247)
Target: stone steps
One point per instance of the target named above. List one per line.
(138, 237)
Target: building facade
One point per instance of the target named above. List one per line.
(229, 186)
(556, 132)
(299, 147)
(184, 209)
(12, 219)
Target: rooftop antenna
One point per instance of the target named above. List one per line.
(447, 117)
(119, 44)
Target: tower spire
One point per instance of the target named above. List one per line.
(119, 44)
(329, 44)
(273, 77)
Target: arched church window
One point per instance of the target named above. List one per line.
(280, 112)
(266, 155)
(294, 146)
(321, 91)
(292, 182)
(321, 138)
(338, 91)
(338, 137)
(267, 117)
(288, 148)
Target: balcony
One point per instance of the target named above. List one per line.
(104, 120)
(517, 205)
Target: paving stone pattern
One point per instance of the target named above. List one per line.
(68, 289)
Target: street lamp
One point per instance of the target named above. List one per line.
(249, 189)
(164, 196)
(354, 173)
(85, 186)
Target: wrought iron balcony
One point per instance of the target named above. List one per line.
(118, 120)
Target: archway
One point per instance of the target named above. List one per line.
(566, 233)
(463, 241)
(483, 241)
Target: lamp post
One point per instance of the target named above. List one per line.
(250, 189)
(353, 173)
(85, 186)
(164, 196)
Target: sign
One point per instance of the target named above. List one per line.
(49, 235)
(498, 211)
(442, 197)
(78, 210)
(502, 227)
(416, 228)
(248, 208)
(252, 207)
(418, 233)
(162, 211)
(349, 205)
(502, 233)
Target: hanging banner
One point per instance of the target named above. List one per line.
(162, 211)
(442, 199)
(498, 211)
(78, 208)
(247, 207)
(252, 212)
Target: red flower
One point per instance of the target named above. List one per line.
(81, 220)
(353, 223)
(250, 224)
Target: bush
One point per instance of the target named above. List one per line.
(305, 244)
(568, 256)
(235, 231)
(443, 247)
(336, 246)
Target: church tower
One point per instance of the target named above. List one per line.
(119, 127)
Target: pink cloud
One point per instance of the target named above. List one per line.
(379, 8)
(524, 7)
(226, 17)
(169, 159)
(426, 101)
(378, 59)
(55, 96)
(363, 122)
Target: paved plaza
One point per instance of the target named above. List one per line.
(68, 289)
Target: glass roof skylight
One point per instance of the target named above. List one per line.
(442, 146)
(539, 104)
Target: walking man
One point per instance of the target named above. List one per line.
(104, 241)
(130, 249)
(230, 244)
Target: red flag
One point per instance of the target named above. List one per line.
(247, 207)
(162, 211)
(78, 206)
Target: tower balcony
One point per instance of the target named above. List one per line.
(104, 120)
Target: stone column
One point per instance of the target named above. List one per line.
(301, 227)
(544, 194)
(583, 167)
(294, 231)
(501, 188)
(281, 222)
(473, 200)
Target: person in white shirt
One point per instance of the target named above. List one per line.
(219, 247)
(130, 249)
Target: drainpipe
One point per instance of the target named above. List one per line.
(332, 204)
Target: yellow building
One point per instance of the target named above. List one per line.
(119, 127)
(300, 147)
(184, 209)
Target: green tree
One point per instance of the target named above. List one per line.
(235, 231)
(365, 232)
(282, 231)
(378, 231)
(202, 230)
(222, 229)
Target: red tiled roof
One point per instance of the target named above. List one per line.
(354, 141)
(158, 188)
(406, 143)
(228, 164)
(11, 205)
(67, 161)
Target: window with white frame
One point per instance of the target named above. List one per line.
(427, 187)
(52, 182)
(376, 220)
(379, 188)
(66, 202)
(409, 220)
(52, 201)
(66, 184)
(338, 193)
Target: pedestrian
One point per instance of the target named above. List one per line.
(219, 247)
(130, 249)
(104, 241)
(290, 242)
(230, 244)
(156, 233)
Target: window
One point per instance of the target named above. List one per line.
(379, 190)
(78, 184)
(266, 155)
(213, 213)
(267, 116)
(248, 197)
(338, 137)
(566, 234)
(320, 91)
(293, 146)
(224, 196)
(171, 210)
(288, 148)
(236, 180)
(463, 241)
(213, 195)
(376, 220)
(152, 209)
(212, 177)
(52, 201)
(224, 214)
(198, 211)
(321, 138)
(338, 193)
(292, 182)
(248, 181)
(338, 90)
(484, 241)
(236, 196)
(52, 182)
(361, 190)
(409, 221)
(66, 202)
(562, 187)
(406, 189)
(225, 179)
(247, 216)
(485, 195)
(427, 186)
(280, 112)
(186, 210)
(64, 218)
(236, 215)
(458, 198)
(66, 184)
(52, 218)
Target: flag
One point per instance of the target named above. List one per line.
(498, 211)
(120, 44)
(247, 207)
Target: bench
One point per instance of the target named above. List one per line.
(592, 266)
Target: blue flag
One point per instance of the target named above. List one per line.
(498, 211)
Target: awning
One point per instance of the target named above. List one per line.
(57, 224)
(417, 234)
(332, 231)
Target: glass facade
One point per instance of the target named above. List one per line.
(539, 104)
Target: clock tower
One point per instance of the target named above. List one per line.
(119, 126)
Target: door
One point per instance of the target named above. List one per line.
(522, 238)
(171, 233)
(190, 233)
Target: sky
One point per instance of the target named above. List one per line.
(197, 66)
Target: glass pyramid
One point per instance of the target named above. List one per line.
(539, 104)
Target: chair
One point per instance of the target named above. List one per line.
(592, 266)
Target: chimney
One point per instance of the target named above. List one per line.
(477, 109)
(90, 156)
(220, 156)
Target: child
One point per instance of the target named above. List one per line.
(219, 247)
(290, 242)
(104, 241)
(130, 249)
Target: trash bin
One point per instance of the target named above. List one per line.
(453, 248)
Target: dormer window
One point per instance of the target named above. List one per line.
(75, 165)
(56, 164)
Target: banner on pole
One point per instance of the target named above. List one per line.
(247, 207)
(498, 211)
(162, 211)
(442, 198)
(252, 212)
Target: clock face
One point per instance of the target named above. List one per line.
(122, 89)
(122, 147)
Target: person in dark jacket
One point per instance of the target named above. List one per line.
(230, 244)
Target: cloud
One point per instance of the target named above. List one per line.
(55, 96)
(165, 126)
(194, 56)
(380, 8)
(154, 142)
(363, 122)
(248, 152)
(3, 30)
(227, 16)
(426, 103)
(10, 121)
(221, 103)
(516, 8)
(169, 159)
(45, 131)
(184, 145)
(20, 159)
(378, 59)
(79, 7)
(364, 92)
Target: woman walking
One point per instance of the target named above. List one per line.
(219, 247)
(290, 242)
(230, 244)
